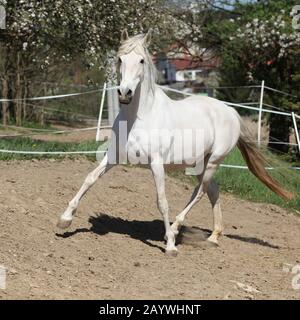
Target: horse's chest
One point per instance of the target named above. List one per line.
(138, 148)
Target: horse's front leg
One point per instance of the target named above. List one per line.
(162, 203)
(66, 218)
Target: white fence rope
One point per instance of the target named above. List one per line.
(55, 132)
(115, 87)
(58, 96)
(260, 110)
(236, 104)
(257, 109)
(49, 152)
(188, 171)
(282, 92)
(51, 110)
(230, 103)
(246, 168)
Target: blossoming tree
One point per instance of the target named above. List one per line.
(41, 36)
(263, 45)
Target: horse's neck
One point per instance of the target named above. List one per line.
(142, 102)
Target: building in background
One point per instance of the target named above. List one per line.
(182, 71)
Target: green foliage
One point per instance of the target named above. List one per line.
(261, 45)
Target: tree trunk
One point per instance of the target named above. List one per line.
(5, 111)
(24, 101)
(78, 76)
(18, 95)
(18, 102)
(42, 111)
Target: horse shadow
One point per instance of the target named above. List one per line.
(144, 231)
(147, 231)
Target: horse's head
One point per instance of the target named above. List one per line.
(132, 58)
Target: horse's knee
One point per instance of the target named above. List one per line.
(90, 179)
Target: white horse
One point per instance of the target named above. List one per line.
(146, 108)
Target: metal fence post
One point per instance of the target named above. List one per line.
(100, 112)
(296, 130)
(260, 112)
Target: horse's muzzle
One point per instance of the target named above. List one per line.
(125, 99)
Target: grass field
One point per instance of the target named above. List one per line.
(235, 181)
(27, 144)
(244, 184)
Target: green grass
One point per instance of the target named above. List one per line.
(27, 144)
(235, 181)
(244, 184)
(31, 125)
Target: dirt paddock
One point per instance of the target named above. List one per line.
(114, 249)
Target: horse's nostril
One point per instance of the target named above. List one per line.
(129, 93)
(119, 92)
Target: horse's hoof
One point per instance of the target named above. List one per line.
(64, 224)
(171, 253)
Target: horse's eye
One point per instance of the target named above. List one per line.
(142, 61)
(120, 61)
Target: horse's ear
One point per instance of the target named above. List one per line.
(124, 35)
(148, 38)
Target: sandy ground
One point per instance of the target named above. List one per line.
(114, 249)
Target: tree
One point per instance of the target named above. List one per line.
(262, 44)
(43, 36)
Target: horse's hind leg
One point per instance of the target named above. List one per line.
(213, 195)
(202, 188)
(66, 218)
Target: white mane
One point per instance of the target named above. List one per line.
(137, 44)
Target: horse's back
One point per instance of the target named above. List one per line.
(215, 118)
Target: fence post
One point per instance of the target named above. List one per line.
(260, 112)
(100, 113)
(296, 130)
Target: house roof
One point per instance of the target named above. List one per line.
(182, 58)
(187, 63)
